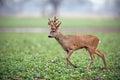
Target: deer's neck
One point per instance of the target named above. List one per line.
(60, 38)
(62, 41)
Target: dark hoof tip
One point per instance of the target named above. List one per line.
(75, 66)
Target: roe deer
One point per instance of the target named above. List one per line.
(70, 43)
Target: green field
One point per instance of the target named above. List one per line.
(33, 56)
(68, 22)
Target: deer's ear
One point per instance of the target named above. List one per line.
(48, 23)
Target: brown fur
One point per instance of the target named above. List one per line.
(70, 43)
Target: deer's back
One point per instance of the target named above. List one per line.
(75, 42)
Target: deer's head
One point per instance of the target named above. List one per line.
(54, 27)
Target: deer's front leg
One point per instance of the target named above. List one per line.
(69, 53)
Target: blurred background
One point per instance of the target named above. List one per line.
(65, 8)
(72, 13)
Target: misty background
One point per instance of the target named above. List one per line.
(70, 8)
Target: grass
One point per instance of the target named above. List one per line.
(68, 22)
(33, 56)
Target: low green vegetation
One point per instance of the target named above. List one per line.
(68, 22)
(33, 56)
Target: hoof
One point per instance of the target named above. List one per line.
(75, 66)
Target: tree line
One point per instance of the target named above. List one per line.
(17, 6)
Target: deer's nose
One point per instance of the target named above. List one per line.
(49, 36)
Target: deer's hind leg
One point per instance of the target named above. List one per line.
(102, 56)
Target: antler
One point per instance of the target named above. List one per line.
(54, 23)
(55, 19)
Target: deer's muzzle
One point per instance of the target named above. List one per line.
(50, 36)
